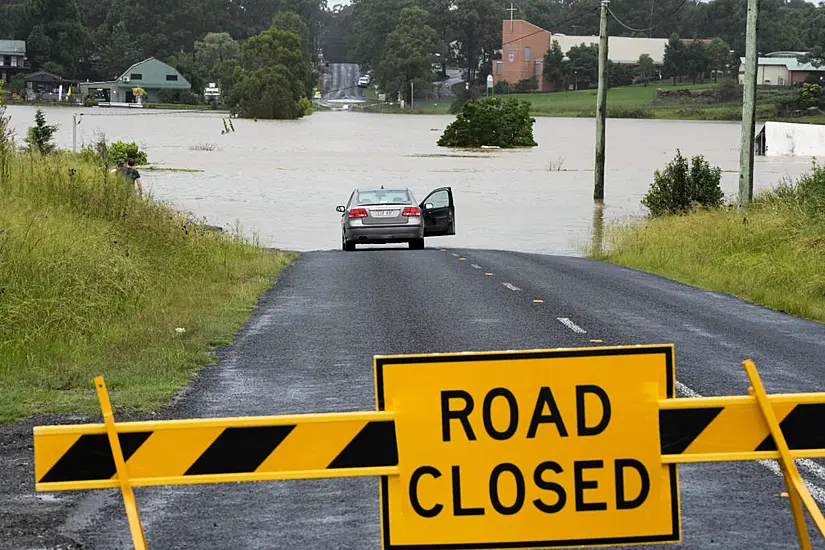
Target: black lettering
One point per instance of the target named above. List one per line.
(462, 415)
(487, 414)
(416, 504)
(621, 502)
(578, 467)
(494, 497)
(458, 510)
(550, 486)
(580, 418)
(546, 398)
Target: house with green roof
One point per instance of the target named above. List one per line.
(12, 59)
(781, 69)
(152, 75)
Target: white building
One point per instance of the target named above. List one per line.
(620, 49)
(781, 69)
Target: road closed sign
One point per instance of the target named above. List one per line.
(528, 449)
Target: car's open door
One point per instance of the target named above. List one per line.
(438, 212)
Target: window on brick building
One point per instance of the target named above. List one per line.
(538, 67)
(527, 54)
(498, 67)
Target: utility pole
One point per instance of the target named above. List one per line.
(748, 107)
(76, 119)
(412, 95)
(601, 106)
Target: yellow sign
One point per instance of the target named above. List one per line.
(528, 449)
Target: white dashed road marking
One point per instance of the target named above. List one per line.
(571, 325)
(511, 286)
(476, 266)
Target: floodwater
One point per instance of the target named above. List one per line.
(281, 180)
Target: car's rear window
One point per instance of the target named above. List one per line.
(383, 196)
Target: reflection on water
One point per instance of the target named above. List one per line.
(283, 179)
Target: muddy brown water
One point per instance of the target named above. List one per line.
(281, 180)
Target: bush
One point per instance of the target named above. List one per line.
(119, 151)
(680, 188)
(305, 105)
(807, 193)
(527, 85)
(728, 90)
(179, 97)
(491, 121)
(501, 87)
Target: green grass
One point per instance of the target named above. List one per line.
(95, 281)
(771, 253)
(181, 107)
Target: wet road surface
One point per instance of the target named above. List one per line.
(343, 83)
(309, 348)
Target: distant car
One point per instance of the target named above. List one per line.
(364, 81)
(381, 216)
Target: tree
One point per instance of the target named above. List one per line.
(6, 133)
(373, 21)
(58, 35)
(272, 77)
(675, 58)
(583, 64)
(718, 53)
(554, 65)
(477, 26)
(41, 135)
(408, 56)
(290, 21)
(216, 57)
(645, 68)
(697, 61)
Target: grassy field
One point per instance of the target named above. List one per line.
(625, 102)
(772, 253)
(95, 281)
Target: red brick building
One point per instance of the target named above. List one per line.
(522, 54)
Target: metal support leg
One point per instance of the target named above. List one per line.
(797, 491)
(129, 501)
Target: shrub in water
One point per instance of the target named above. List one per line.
(119, 151)
(682, 186)
(491, 121)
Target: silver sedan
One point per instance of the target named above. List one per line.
(380, 216)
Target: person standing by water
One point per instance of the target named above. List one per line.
(132, 174)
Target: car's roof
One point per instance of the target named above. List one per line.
(386, 189)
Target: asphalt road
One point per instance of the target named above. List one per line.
(343, 83)
(309, 348)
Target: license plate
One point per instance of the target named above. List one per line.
(383, 213)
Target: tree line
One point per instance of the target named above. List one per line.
(399, 39)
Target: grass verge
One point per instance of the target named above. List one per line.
(772, 253)
(95, 281)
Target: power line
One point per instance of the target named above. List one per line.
(650, 28)
(566, 21)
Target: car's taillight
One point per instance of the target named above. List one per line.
(411, 211)
(358, 213)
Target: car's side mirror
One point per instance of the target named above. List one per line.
(428, 206)
(340, 208)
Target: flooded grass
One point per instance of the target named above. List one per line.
(95, 281)
(165, 169)
(771, 253)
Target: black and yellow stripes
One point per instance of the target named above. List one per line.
(733, 428)
(210, 451)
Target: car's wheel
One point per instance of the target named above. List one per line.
(417, 244)
(347, 245)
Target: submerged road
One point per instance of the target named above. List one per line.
(342, 84)
(309, 348)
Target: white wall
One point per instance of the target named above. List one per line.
(798, 140)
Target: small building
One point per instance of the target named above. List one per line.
(150, 74)
(781, 69)
(46, 86)
(13, 58)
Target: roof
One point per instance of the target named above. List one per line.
(45, 75)
(125, 79)
(620, 49)
(792, 64)
(13, 46)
